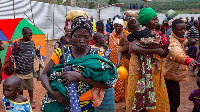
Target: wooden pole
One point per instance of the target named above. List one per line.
(98, 10)
(32, 13)
(53, 19)
(14, 8)
(30, 20)
(66, 6)
(47, 38)
(56, 25)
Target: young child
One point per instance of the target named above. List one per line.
(194, 96)
(14, 102)
(24, 62)
(192, 51)
(99, 42)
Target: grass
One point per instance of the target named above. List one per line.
(180, 12)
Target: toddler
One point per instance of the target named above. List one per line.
(194, 96)
(13, 102)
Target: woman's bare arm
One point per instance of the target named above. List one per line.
(139, 50)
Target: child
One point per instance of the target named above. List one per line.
(14, 102)
(24, 62)
(194, 96)
(192, 51)
(99, 42)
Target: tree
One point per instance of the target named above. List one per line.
(110, 2)
(91, 5)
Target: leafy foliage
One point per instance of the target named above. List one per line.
(91, 5)
(158, 5)
(110, 2)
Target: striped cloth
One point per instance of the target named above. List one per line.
(108, 103)
(24, 57)
(193, 32)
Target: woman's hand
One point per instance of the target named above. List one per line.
(71, 76)
(59, 97)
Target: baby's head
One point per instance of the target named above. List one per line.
(11, 87)
(198, 82)
(133, 25)
(98, 38)
(192, 42)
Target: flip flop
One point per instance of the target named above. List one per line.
(33, 106)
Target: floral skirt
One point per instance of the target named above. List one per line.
(162, 101)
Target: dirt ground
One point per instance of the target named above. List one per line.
(39, 91)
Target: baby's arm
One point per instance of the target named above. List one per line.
(123, 47)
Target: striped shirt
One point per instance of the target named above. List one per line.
(24, 57)
(193, 32)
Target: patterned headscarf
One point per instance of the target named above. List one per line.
(81, 22)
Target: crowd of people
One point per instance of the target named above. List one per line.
(82, 75)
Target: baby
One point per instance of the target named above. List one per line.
(147, 39)
(13, 102)
(194, 96)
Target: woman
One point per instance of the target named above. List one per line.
(113, 45)
(66, 40)
(148, 18)
(86, 86)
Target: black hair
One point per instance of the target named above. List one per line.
(198, 82)
(99, 24)
(13, 80)
(158, 26)
(26, 29)
(96, 36)
(177, 21)
(130, 23)
(195, 22)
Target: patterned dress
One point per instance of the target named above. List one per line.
(113, 45)
(136, 85)
(11, 106)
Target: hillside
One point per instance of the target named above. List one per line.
(185, 6)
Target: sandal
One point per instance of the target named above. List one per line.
(33, 106)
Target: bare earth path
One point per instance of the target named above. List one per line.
(39, 91)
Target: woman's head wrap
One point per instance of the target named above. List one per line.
(145, 15)
(119, 21)
(81, 22)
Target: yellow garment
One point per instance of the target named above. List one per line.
(173, 63)
(94, 26)
(162, 102)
